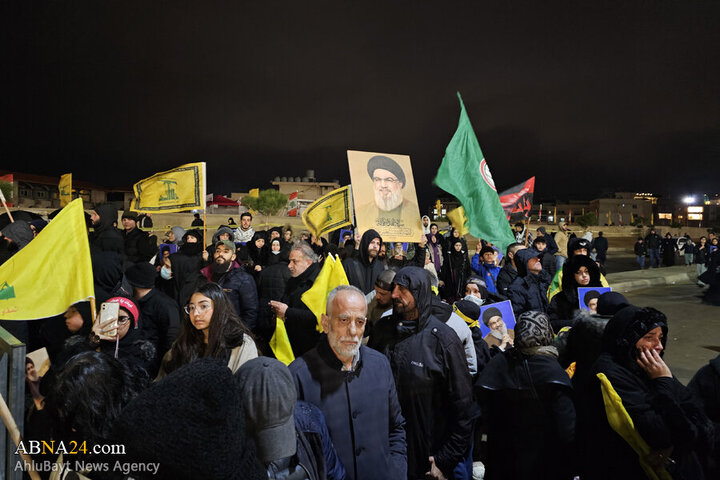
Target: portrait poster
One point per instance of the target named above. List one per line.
(384, 195)
(587, 297)
(505, 310)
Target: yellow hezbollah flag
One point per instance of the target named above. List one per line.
(255, 192)
(622, 423)
(458, 219)
(52, 272)
(331, 275)
(65, 189)
(280, 343)
(176, 190)
(329, 212)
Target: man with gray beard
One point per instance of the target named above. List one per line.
(354, 387)
(390, 208)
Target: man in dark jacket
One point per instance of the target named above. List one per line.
(159, 314)
(139, 246)
(431, 375)
(353, 386)
(105, 237)
(509, 271)
(300, 321)
(528, 291)
(600, 245)
(363, 270)
(237, 284)
(652, 243)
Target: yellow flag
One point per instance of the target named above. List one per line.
(632, 218)
(255, 192)
(52, 272)
(609, 217)
(329, 212)
(458, 219)
(331, 275)
(280, 343)
(620, 421)
(65, 189)
(176, 190)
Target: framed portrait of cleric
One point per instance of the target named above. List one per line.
(497, 317)
(384, 195)
(588, 297)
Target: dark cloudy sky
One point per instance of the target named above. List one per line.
(588, 96)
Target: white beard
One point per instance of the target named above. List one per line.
(387, 204)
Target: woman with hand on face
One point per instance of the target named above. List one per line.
(663, 411)
(210, 328)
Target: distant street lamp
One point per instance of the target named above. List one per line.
(689, 199)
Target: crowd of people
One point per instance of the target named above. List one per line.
(397, 380)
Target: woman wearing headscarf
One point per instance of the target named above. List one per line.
(77, 320)
(579, 271)
(663, 412)
(257, 250)
(528, 407)
(434, 246)
(456, 272)
(210, 328)
(668, 247)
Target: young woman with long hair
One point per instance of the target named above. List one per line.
(210, 328)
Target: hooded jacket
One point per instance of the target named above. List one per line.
(663, 411)
(19, 232)
(527, 291)
(240, 289)
(105, 237)
(705, 385)
(432, 379)
(566, 301)
(361, 271)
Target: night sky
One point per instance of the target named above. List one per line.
(589, 97)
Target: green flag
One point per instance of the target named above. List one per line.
(465, 174)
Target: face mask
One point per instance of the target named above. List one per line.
(276, 253)
(166, 273)
(474, 299)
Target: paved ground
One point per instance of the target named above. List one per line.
(693, 328)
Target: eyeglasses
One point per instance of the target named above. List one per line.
(123, 319)
(200, 309)
(359, 321)
(389, 180)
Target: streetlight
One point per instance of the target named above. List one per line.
(688, 199)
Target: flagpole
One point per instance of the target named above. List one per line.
(93, 309)
(15, 434)
(2, 198)
(527, 230)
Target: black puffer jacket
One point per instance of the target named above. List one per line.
(300, 322)
(105, 237)
(432, 379)
(361, 271)
(139, 246)
(528, 291)
(663, 411)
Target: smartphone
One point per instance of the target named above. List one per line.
(108, 311)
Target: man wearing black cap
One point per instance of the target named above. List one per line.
(159, 314)
(390, 208)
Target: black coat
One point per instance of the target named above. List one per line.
(159, 319)
(564, 304)
(139, 246)
(186, 275)
(271, 286)
(653, 241)
(668, 248)
(300, 322)
(361, 270)
(530, 416)
(505, 277)
(432, 379)
(240, 289)
(663, 411)
(705, 385)
(361, 410)
(105, 237)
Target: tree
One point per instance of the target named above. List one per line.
(268, 202)
(586, 220)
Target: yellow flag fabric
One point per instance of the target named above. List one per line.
(65, 189)
(556, 284)
(622, 423)
(176, 190)
(280, 343)
(329, 212)
(255, 192)
(459, 220)
(51, 272)
(331, 275)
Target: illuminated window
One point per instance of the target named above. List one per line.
(695, 216)
(695, 210)
(665, 216)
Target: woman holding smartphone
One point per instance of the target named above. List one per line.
(210, 328)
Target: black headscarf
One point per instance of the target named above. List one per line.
(624, 330)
